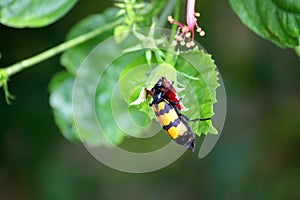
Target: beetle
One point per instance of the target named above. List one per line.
(165, 106)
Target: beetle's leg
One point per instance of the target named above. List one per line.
(200, 119)
(194, 120)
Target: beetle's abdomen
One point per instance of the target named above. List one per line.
(173, 124)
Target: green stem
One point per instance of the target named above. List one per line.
(170, 53)
(19, 66)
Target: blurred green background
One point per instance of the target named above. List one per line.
(257, 156)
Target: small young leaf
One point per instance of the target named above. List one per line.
(32, 13)
(275, 20)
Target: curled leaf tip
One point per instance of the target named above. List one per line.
(140, 99)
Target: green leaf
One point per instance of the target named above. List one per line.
(110, 106)
(132, 80)
(60, 88)
(73, 57)
(275, 20)
(32, 13)
(195, 72)
(200, 92)
(61, 94)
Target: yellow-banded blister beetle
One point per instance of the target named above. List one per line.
(168, 115)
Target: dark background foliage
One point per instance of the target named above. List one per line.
(257, 156)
